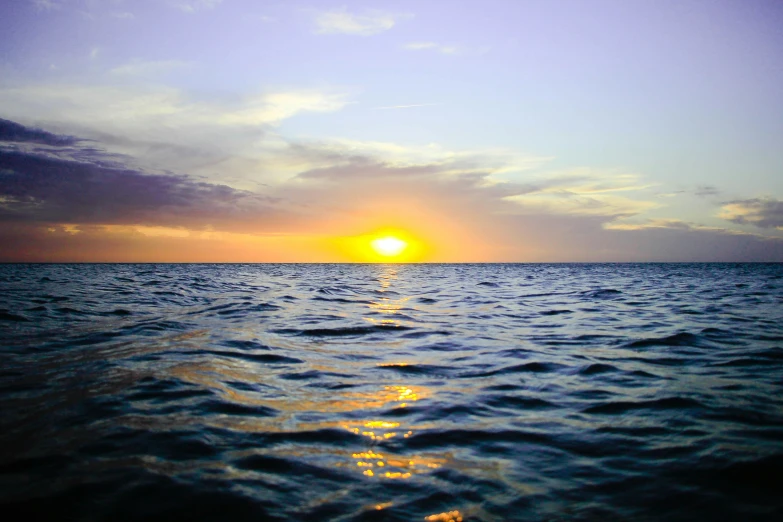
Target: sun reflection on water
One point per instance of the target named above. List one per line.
(449, 516)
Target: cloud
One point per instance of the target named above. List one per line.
(160, 106)
(142, 68)
(446, 49)
(764, 212)
(46, 5)
(406, 106)
(664, 223)
(704, 191)
(343, 22)
(192, 6)
(583, 192)
(70, 183)
(165, 129)
(275, 107)
(443, 49)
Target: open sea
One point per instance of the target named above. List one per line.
(344, 392)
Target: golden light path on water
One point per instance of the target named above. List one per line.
(370, 461)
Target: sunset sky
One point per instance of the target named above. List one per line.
(243, 130)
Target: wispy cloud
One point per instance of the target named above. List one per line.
(661, 223)
(275, 107)
(192, 6)
(446, 48)
(142, 68)
(432, 46)
(583, 192)
(155, 106)
(341, 21)
(406, 106)
(46, 5)
(704, 191)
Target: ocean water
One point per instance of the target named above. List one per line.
(392, 392)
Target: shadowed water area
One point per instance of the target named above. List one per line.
(392, 392)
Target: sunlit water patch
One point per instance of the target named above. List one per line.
(392, 392)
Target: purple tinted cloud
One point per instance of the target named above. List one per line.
(14, 132)
(67, 184)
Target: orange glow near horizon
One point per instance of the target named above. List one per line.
(414, 237)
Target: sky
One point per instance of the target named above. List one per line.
(492, 131)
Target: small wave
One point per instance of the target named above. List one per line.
(680, 339)
(69, 311)
(119, 312)
(8, 316)
(517, 403)
(601, 293)
(471, 438)
(556, 312)
(416, 369)
(229, 408)
(245, 345)
(341, 332)
(310, 375)
(339, 300)
(532, 367)
(617, 407)
(245, 309)
(256, 357)
(420, 334)
(443, 346)
(290, 468)
(597, 368)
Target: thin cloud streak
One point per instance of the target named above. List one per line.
(341, 21)
(406, 106)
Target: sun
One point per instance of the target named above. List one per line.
(389, 246)
(382, 245)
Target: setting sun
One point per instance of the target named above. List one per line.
(388, 246)
(383, 245)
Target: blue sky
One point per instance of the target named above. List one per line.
(526, 130)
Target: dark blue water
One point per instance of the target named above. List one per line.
(392, 392)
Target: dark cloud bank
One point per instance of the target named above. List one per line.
(48, 181)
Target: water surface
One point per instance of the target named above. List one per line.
(392, 392)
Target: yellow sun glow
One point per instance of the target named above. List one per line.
(388, 246)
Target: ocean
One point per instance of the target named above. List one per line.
(350, 392)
